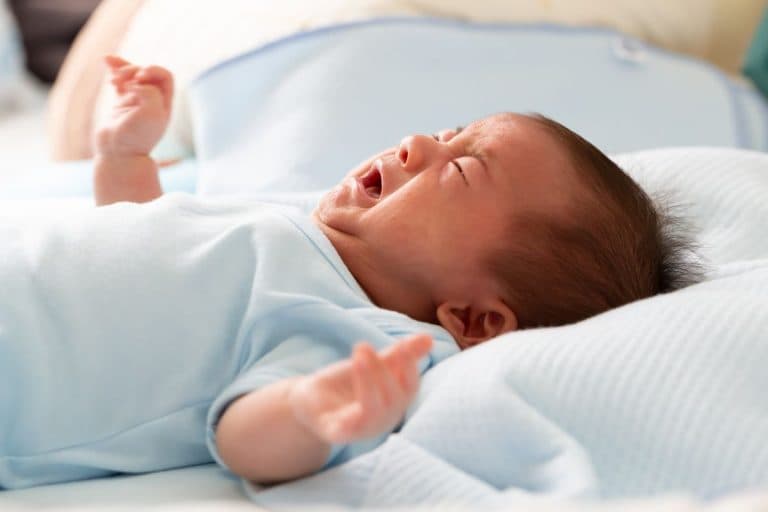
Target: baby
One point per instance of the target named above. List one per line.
(147, 336)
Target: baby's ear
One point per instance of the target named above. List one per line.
(471, 324)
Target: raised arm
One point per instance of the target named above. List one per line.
(285, 430)
(124, 171)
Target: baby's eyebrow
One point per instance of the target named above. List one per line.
(474, 150)
(457, 131)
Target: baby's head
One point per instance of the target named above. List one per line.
(509, 223)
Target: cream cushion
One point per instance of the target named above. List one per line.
(716, 30)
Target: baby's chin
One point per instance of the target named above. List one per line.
(329, 203)
(324, 204)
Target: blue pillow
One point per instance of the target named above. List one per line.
(296, 114)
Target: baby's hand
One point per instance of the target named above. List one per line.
(362, 396)
(141, 113)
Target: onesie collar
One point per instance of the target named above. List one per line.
(305, 224)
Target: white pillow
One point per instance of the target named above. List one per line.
(11, 61)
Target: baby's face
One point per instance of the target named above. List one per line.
(433, 207)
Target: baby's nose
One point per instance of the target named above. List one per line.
(404, 151)
(416, 150)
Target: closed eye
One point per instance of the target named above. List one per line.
(461, 171)
(454, 162)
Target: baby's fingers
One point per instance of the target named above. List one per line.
(114, 62)
(418, 346)
(121, 77)
(345, 424)
(409, 350)
(403, 360)
(125, 73)
(365, 391)
(160, 77)
(120, 68)
(380, 385)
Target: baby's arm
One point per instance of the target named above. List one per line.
(285, 430)
(124, 171)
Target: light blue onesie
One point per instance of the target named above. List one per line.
(126, 330)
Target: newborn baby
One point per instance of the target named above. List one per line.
(140, 337)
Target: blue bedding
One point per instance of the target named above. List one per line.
(297, 113)
(664, 395)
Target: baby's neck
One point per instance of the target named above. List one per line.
(381, 283)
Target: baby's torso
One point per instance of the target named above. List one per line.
(125, 331)
(176, 273)
(134, 318)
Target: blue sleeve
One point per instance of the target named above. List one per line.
(297, 341)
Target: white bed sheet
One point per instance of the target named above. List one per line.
(186, 488)
(207, 489)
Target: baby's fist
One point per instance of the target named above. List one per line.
(141, 112)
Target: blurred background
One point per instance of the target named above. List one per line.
(52, 93)
(286, 95)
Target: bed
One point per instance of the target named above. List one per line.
(623, 92)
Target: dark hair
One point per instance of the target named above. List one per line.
(615, 247)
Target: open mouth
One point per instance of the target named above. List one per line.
(371, 182)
